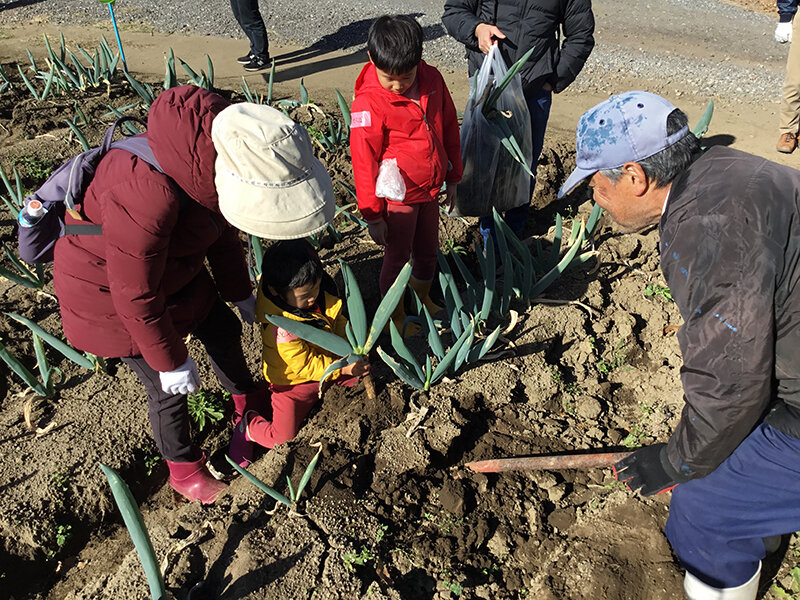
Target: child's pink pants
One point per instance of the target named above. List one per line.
(412, 232)
(290, 406)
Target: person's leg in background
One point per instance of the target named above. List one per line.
(539, 108)
(249, 18)
(789, 111)
(717, 524)
(401, 225)
(423, 253)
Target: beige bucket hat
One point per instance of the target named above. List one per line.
(268, 180)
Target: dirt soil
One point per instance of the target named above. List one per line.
(386, 514)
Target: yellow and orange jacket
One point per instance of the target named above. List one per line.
(288, 359)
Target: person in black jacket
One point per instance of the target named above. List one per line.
(517, 26)
(729, 225)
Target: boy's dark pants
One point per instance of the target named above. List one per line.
(221, 334)
(251, 22)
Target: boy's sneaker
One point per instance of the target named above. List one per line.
(257, 64)
(243, 60)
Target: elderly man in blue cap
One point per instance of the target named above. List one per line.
(729, 225)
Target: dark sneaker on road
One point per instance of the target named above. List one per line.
(243, 60)
(257, 64)
(786, 143)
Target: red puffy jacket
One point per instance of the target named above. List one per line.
(424, 139)
(142, 285)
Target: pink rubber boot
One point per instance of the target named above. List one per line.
(241, 449)
(194, 481)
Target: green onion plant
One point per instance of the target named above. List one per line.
(24, 276)
(57, 344)
(361, 334)
(205, 79)
(132, 518)
(294, 493)
(16, 193)
(702, 125)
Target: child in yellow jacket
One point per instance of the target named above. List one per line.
(294, 285)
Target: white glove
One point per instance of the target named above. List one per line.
(183, 380)
(247, 308)
(783, 33)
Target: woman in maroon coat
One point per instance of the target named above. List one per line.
(138, 289)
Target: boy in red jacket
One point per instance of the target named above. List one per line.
(403, 111)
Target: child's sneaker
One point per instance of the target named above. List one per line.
(257, 64)
(243, 60)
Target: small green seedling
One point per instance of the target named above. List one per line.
(59, 482)
(455, 588)
(150, 463)
(204, 407)
(635, 437)
(63, 534)
(792, 590)
(616, 360)
(360, 558)
(659, 291)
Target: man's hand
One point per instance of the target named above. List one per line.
(183, 380)
(377, 231)
(487, 35)
(648, 470)
(356, 369)
(449, 201)
(247, 308)
(783, 32)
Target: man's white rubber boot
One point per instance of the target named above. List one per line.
(697, 590)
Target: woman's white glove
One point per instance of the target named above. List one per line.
(183, 380)
(783, 33)
(247, 308)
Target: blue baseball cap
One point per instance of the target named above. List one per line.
(626, 127)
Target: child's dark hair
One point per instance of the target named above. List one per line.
(395, 43)
(290, 264)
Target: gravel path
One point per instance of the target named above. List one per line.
(701, 47)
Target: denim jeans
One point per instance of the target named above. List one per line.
(249, 19)
(539, 108)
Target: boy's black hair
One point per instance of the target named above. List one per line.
(395, 43)
(290, 264)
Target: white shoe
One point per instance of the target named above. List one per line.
(697, 590)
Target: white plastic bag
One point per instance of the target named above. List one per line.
(390, 184)
(492, 177)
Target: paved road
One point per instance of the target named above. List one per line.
(705, 47)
